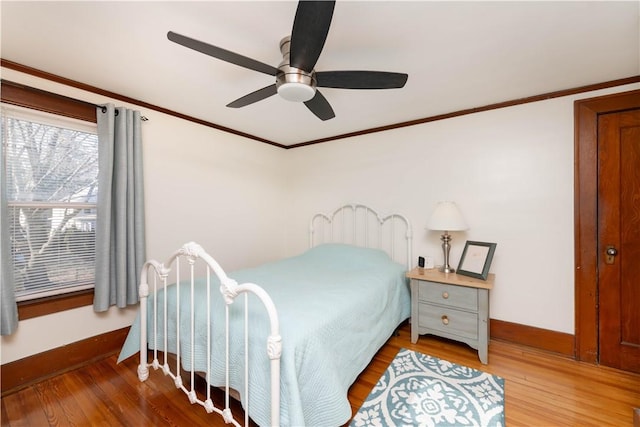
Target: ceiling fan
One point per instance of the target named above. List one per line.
(296, 79)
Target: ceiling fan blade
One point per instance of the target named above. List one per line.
(360, 79)
(256, 96)
(320, 107)
(223, 54)
(310, 29)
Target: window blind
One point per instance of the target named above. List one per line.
(51, 172)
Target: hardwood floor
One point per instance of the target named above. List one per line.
(542, 389)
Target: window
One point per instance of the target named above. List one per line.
(16, 94)
(51, 173)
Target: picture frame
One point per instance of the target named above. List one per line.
(476, 259)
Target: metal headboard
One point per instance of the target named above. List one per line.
(360, 225)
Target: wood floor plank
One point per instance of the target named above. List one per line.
(97, 414)
(540, 389)
(25, 408)
(109, 403)
(143, 394)
(130, 402)
(59, 403)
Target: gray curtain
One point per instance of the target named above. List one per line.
(120, 236)
(8, 307)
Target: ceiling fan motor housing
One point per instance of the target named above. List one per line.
(293, 84)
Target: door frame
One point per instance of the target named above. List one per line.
(586, 113)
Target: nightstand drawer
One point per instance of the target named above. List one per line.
(449, 295)
(460, 323)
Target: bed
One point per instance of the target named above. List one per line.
(305, 329)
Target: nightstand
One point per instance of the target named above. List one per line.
(451, 306)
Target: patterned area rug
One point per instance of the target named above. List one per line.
(421, 390)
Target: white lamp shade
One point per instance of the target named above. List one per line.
(446, 217)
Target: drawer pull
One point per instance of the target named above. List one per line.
(445, 320)
(445, 295)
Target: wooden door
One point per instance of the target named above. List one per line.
(619, 239)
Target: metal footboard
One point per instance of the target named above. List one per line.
(230, 290)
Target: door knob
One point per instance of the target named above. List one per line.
(611, 252)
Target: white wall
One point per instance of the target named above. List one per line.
(509, 170)
(220, 190)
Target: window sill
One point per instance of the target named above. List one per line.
(55, 304)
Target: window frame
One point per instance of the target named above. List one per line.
(36, 99)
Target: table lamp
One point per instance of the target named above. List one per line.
(446, 217)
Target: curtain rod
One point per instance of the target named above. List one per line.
(104, 110)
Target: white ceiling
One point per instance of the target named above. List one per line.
(458, 55)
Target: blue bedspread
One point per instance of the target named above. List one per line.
(337, 305)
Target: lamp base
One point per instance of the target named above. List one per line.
(446, 246)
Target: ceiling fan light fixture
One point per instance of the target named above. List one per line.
(294, 84)
(296, 92)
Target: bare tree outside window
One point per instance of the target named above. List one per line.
(51, 175)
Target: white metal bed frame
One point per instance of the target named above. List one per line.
(230, 290)
(360, 225)
(354, 224)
